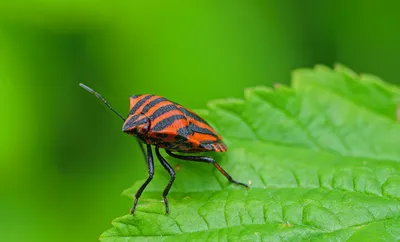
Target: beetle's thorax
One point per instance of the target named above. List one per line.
(136, 124)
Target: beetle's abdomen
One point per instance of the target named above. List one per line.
(178, 143)
(174, 127)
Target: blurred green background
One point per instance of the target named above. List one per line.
(63, 158)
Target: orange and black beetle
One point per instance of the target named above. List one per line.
(157, 121)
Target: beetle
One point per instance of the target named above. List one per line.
(157, 121)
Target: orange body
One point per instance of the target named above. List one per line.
(165, 124)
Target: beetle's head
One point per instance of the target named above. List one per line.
(136, 124)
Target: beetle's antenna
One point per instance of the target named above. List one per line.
(101, 98)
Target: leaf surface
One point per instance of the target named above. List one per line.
(322, 158)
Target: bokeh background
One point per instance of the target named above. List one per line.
(63, 158)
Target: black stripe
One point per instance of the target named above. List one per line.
(162, 110)
(210, 142)
(141, 121)
(200, 130)
(184, 132)
(152, 104)
(166, 122)
(206, 145)
(140, 103)
(192, 115)
(132, 120)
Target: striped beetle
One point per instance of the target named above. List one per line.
(157, 121)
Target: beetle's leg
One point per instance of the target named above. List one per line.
(171, 172)
(207, 160)
(141, 148)
(150, 166)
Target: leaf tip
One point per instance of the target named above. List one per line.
(296, 74)
(127, 192)
(340, 68)
(250, 91)
(320, 67)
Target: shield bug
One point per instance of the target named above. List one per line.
(157, 121)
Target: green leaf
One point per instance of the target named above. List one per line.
(322, 157)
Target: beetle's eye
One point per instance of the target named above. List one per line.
(145, 128)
